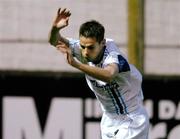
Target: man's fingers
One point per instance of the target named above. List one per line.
(62, 47)
(61, 44)
(59, 10)
(64, 12)
(67, 13)
(63, 50)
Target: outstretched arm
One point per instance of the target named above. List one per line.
(106, 74)
(60, 21)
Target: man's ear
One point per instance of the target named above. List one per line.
(103, 42)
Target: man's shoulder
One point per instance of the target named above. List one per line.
(72, 39)
(73, 42)
(111, 46)
(109, 40)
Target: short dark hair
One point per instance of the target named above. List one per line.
(92, 29)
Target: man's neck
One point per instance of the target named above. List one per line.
(100, 56)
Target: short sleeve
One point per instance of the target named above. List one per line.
(75, 47)
(115, 57)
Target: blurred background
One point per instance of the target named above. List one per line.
(34, 76)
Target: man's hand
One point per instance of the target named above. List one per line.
(60, 21)
(63, 48)
(62, 18)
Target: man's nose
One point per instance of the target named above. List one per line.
(86, 51)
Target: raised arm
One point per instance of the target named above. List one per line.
(60, 21)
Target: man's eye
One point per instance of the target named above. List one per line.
(91, 48)
(83, 47)
(88, 47)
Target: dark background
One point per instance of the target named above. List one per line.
(44, 86)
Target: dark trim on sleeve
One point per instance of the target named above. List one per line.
(123, 64)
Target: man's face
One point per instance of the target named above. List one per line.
(90, 48)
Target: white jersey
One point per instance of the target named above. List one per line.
(124, 94)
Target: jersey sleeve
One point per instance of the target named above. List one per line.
(115, 56)
(75, 47)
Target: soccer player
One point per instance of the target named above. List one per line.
(115, 83)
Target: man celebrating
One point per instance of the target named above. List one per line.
(115, 83)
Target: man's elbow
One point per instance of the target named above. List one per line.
(110, 77)
(111, 73)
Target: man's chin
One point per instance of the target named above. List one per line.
(93, 61)
(89, 59)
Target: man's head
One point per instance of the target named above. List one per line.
(92, 29)
(91, 35)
